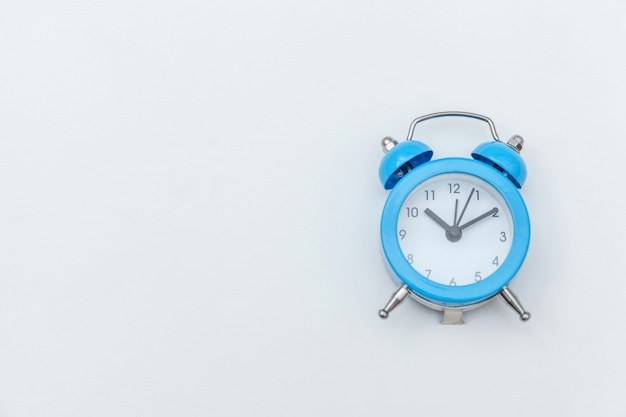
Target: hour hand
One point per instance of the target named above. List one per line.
(437, 219)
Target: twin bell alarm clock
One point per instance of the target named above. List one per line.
(454, 231)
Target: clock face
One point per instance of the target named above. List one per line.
(455, 229)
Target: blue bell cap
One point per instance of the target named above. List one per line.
(504, 158)
(401, 159)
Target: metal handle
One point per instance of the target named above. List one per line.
(485, 119)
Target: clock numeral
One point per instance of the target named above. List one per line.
(409, 258)
(495, 214)
(428, 271)
(411, 211)
(495, 262)
(430, 194)
(402, 234)
(454, 188)
(478, 277)
(452, 283)
(502, 237)
(477, 195)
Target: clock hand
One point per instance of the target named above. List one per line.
(456, 209)
(465, 207)
(437, 219)
(479, 218)
(453, 233)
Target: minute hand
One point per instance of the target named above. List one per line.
(479, 218)
(437, 219)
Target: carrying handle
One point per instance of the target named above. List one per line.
(485, 119)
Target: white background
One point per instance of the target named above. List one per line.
(189, 207)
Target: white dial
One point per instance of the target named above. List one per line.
(455, 229)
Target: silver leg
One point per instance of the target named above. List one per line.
(396, 299)
(514, 302)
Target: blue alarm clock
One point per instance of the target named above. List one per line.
(454, 231)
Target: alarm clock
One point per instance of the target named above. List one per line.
(454, 231)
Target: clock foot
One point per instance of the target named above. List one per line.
(514, 302)
(396, 299)
(452, 316)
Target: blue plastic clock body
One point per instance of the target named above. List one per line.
(409, 164)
